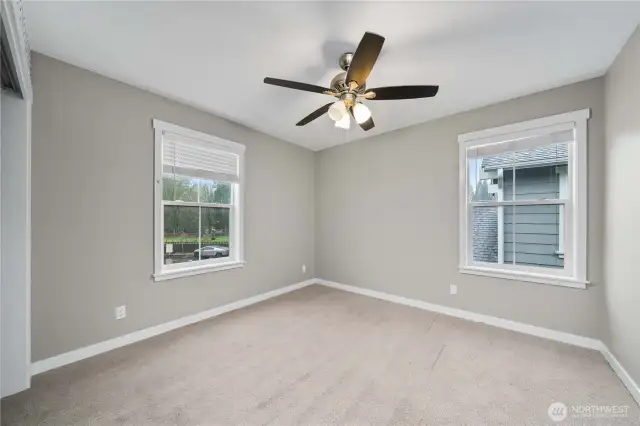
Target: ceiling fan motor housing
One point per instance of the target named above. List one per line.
(345, 60)
(339, 84)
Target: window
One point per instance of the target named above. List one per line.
(198, 202)
(523, 201)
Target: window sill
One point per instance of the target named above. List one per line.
(179, 273)
(524, 276)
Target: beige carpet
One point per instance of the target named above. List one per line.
(322, 357)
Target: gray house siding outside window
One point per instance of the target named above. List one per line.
(534, 230)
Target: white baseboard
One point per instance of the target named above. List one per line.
(559, 336)
(546, 333)
(118, 342)
(625, 378)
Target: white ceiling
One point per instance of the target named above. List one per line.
(214, 55)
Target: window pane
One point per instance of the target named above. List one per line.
(215, 232)
(532, 236)
(181, 229)
(212, 191)
(485, 234)
(535, 174)
(483, 185)
(179, 188)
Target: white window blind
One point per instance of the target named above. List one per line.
(190, 157)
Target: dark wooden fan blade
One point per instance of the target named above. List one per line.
(295, 85)
(367, 125)
(403, 92)
(364, 58)
(315, 114)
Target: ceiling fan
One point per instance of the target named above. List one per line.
(350, 87)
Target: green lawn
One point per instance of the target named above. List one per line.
(194, 240)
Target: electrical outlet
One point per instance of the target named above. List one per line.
(453, 289)
(304, 269)
(121, 312)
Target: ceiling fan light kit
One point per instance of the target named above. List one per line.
(350, 87)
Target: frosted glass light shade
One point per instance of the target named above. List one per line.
(361, 113)
(337, 111)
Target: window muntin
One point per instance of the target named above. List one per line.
(520, 192)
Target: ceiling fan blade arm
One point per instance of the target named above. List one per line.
(315, 114)
(364, 58)
(402, 92)
(367, 125)
(296, 85)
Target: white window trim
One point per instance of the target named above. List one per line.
(575, 272)
(163, 272)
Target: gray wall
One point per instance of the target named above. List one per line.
(623, 206)
(93, 190)
(387, 210)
